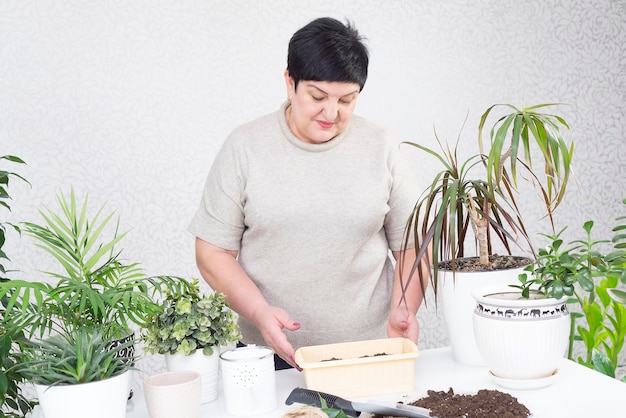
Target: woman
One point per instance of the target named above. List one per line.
(302, 206)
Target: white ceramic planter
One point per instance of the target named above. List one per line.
(102, 399)
(520, 339)
(458, 303)
(207, 366)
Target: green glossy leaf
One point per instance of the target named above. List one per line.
(602, 363)
(617, 295)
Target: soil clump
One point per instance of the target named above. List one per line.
(484, 404)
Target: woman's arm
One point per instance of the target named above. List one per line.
(402, 318)
(223, 273)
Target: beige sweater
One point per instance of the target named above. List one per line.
(313, 223)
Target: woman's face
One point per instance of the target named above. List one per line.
(320, 110)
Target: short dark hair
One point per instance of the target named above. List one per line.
(328, 50)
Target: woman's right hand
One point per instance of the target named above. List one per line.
(271, 321)
(223, 273)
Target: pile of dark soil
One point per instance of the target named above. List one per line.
(498, 262)
(484, 404)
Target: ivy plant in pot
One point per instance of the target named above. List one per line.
(190, 330)
(474, 200)
(77, 374)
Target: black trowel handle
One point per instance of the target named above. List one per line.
(313, 397)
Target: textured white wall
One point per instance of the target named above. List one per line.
(129, 100)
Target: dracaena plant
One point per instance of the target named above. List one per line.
(475, 198)
(93, 286)
(190, 321)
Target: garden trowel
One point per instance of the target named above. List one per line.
(354, 409)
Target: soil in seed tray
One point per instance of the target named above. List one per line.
(373, 355)
(484, 404)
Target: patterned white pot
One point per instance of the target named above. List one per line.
(207, 366)
(520, 339)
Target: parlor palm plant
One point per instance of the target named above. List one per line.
(95, 286)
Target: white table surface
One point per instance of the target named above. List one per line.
(576, 391)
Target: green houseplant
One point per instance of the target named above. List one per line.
(590, 276)
(73, 356)
(459, 200)
(12, 401)
(5, 197)
(189, 332)
(474, 200)
(191, 321)
(78, 367)
(95, 285)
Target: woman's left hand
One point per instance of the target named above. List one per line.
(402, 324)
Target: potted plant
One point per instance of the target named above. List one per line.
(475, 201)
(534, 329)
(77, 374)
(13, 403)
(589, 277)
(522, 340)
(95, 286)
(189, 331)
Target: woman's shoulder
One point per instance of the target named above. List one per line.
(254, 131)
(260, 125)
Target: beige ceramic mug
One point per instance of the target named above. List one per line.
(173, 394)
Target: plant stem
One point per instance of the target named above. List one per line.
(572, 328)
(479, 224)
